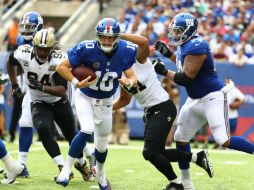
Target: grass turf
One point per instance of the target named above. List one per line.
(127, 170)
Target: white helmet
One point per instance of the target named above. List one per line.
(44, 43)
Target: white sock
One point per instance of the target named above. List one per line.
(99, 167)
(177, 181)
(88, 150)
(8, 161)
(194, 157)
(22, 158)
(185, 174)
(65, 173)
(59, 160)
(81, 161)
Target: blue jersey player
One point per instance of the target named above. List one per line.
(206, 93)
(30, 23)
(108, 57)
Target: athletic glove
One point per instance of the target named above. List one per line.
(163, 49)
(159, 67)
(16, 91)
(35, 84)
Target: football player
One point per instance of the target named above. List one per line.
(30, 23)
(207, 99)
(108, 57)
(47, 89)
(160, 113)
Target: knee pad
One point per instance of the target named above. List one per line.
(149, 154)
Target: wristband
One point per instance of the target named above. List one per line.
(74, 82)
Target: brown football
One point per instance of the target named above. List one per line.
(82, 72)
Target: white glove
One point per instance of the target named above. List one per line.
(228, 87)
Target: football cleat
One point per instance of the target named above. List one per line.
(4, 78)
(203, 162)
(188, 184)
(60, 167)
(174, 186)
(61, 181)
(12, 174)
(24, 173)
(85, 171)
(102, 180)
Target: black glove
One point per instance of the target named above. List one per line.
(163, 49)
(35, 84)
(159, 67)
(16, 91)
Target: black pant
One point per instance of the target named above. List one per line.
(16, 113)
(158, 122)
(44, 114)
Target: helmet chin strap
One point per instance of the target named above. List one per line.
(28, 38)
(106, 49)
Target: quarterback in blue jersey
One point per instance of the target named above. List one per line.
(207, 101)
(108, 57)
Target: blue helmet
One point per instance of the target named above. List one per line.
(182, 28)
(30, 23)
(107, 34)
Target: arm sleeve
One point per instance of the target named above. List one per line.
(59, 81)
(75, 55)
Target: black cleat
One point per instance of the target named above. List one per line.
(174, 186)
(85, 171)
(203, 162)
(60, 167)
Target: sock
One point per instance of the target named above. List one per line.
(184, 164)
(241, 144)
(100, 159)
(185, 174)
(25, 138)
(78, 144)
(194, 157)
(59, 160)
(177, 181)
(3, 151)
(22, 158)
(65, 173)
(8, 161)
(88, 150)
(81, 161)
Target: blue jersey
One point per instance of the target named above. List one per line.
(22, 41)
(206, 80)
(107, 69)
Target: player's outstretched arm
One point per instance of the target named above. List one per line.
(123, 100)
(64, 70)
(143, 46)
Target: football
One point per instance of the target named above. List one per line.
(82, 72)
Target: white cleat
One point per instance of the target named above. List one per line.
(188, 184)
(12, 173)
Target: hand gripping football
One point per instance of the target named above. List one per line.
(82, 72)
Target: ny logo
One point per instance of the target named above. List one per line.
(189, 22)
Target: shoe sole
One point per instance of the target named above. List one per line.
(209, 164)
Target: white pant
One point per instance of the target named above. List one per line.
(195, 113)
(94, 116)
(26, 116)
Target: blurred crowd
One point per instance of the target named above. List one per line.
(226, 24)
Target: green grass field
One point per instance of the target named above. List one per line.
(127, 170)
